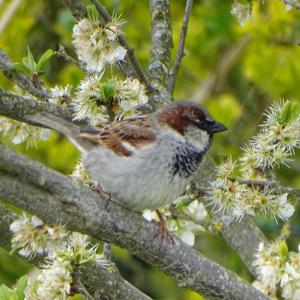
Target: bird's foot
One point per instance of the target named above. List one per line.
(162, 227)
(106, 196)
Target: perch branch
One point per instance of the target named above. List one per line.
(27, 185)
(17, 107)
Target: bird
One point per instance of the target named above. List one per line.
(143, 162)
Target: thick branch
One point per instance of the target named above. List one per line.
(17, 107)
(180, 52)
(161, 41)
(82, 210)
(99, 282)
(103, 284)
(6, 218)
(25, 83)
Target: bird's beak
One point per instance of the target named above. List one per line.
(216, 127)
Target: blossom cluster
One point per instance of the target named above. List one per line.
(96, 100)
(236, 199)
(97, 45)
(274, 145)
(21, 132)
(61, 248)
(278, 270)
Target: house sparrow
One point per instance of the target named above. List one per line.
(143, 162)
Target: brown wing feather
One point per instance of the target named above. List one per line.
(135, 131)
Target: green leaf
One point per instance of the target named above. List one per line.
(109, 89)
(183, 201)
(21, 286)
(21, 67)
(30, 60)
(43, 59)
(5, 292)
(92, 12)
(284, 250)
(290, 111)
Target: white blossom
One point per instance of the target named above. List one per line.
(54, 281)
(86, 103)
(60, 95)
(130, 93)
(31, 236)
(97, 45)
(93, 104)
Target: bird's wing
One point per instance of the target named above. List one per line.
(122, 137)
(65, 127)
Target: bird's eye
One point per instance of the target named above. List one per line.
(200, 123)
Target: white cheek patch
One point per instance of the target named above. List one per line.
(197, 137)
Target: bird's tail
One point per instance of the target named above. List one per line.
(65, 127)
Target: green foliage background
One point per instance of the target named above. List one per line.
(267, 71)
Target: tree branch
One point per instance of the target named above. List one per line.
(6, 218)
(180, 52)
(161, 41)
(99, 282)
(21, 80)
(273, 185)
(17, 107)
(71, 203)
(103, 284)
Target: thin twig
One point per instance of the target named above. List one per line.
(25, 83)
(130, 51)
(271, 184)
(180, 52)
(63, 54)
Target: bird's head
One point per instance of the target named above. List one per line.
(184, 115)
